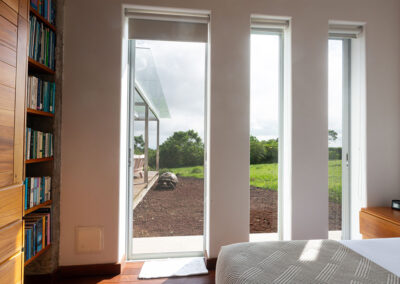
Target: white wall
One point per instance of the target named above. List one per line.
(91, 114)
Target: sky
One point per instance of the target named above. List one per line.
(264, 86)
(181, 70)
(335, 58)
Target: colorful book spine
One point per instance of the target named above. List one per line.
(46, 8)
(38, 144)
(37, 232)
(37, 191)
(42, 42)
(40, 94)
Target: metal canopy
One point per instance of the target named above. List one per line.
(147, 84)
(150, 103)
(140, 109)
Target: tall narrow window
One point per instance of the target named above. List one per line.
(346, 128)
(339, 136)
(168, 79)
(265, 128)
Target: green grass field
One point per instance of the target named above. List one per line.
(266, 176)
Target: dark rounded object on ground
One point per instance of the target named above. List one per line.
(167, 181)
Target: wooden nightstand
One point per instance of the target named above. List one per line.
(379, 222)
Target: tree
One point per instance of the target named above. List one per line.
(139, 144)
(263, 151)
(182, 149)
(271, 151)
(332, 135)
(257, 152)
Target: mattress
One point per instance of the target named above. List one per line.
(384, 252)
(358, 261)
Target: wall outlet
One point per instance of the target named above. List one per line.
(89, 239)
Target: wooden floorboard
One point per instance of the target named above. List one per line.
(130, 275)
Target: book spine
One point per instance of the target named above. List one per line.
(48, 229)
(28, 244)
(41, 38)
(26, 194)
(31, 193)
(43, 231)
(54, 97)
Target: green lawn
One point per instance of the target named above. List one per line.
(266, 176)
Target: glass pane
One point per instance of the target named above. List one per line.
(335, 117)
(264, 133)
(147, 79)
(169, 212)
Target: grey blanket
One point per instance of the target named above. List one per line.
(317, 261)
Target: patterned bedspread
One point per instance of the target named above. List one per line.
(315, 261)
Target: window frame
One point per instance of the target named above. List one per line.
(346, 132)
(178, 16)
(277, 28)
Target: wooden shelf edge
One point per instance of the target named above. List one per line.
(39, 112)
(33, 209)
(42, 251)
(32, 161)
(42, 19)
(37, 65)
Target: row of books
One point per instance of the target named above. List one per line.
(37, 191)
(42, 41)
(37, 232)
(38, 144)
(41, 94)
(45, 8)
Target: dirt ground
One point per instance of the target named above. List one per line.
(179, 212)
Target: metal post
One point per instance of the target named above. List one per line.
(146, 145)
(158, 146)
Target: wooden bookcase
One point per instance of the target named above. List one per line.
(41, 121)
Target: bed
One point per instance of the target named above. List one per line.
(314, 261)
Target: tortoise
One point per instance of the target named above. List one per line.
(167, 181)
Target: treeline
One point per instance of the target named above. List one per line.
(186, 149)
(335, 153)
(182, 149)
(263, 152)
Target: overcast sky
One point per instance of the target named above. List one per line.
(181, 70)
(335, 90)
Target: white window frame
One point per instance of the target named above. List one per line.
(278, 26)
(346, 131)
(353, 122)
(163, 15)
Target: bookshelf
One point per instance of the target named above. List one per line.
(42, 251)
(40, 127)
(41, 160)
(33, 65)
(39, 112)
(42, 19)
(33, 209)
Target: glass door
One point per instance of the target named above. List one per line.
(167, 142)
(266, 95)
(339, 138)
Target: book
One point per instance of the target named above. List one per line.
(40, 94)
(37, 232)
(45, 8)
(38, 144)
(41, 42)
(37, 191)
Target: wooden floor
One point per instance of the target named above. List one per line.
(130, 274)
